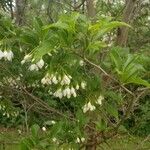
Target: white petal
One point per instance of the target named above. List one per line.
(40, 63)
(33, 67)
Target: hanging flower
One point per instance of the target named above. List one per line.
(66, 80)
(99, 100)
(54, 80)
(73, 92)
(88, 107)
(40, 63)
(8, 55)
(43, 128)
(33, 67)
(81, 62)
(83, 85)
(27, 57)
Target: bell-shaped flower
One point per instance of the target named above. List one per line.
(40, 63)
(33, 67)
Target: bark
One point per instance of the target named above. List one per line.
(11, 9)
(128, 15)
(20, 11)
(49, 11)
(90, 8)
(91, 134)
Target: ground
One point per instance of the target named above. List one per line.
(9, 140)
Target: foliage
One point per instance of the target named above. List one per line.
(66, 77)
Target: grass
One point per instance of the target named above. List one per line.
(11, 142)
(127, 143)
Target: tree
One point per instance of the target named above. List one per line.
(20, 11)
(128, 15)
(90, 8)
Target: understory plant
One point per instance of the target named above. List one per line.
(68, 72)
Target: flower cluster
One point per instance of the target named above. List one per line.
(66, 90)
(80, 140)
(26, 58)
(88, 107)
(6, 113)
(11, 81)
(37, 66)
(8, 55)
(55, 79)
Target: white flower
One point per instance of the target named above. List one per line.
(54, 139)
(22, 62)
(8, 55)
(65, 80)
(83, 85)
(88, 107)
(58, 93)
(19, 131)
(48, 81)
(99, 100)
(27, 57)
(8, 115)
(73, 92)
(65, 11)
(77, 140)
(81, 62)
(85, 108)
(68, 96)
(33, 67)
(82, 139)
(49, 54)
(64, 92)
(53, 122)
(40, 63)
(1, 54)
(43, 128)
(77, 87)
(59, 78)
(54, 80)
(43, 81)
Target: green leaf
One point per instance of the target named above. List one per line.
(96, 46)
(35, 129)
(112, 110)
(101, 125)
(130, 60)
(104, 26)
(42, 49)
(115, 57)
(138, 81)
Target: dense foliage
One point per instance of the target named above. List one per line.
(67, 78)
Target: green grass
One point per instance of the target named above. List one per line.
(11, 142)
(127, 143)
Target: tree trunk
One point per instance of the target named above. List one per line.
(128, 14)
(11, 9)
(20, 11)
(90, 8)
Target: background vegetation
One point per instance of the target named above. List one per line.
(74, 74)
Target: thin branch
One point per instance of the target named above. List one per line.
(103, 71)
